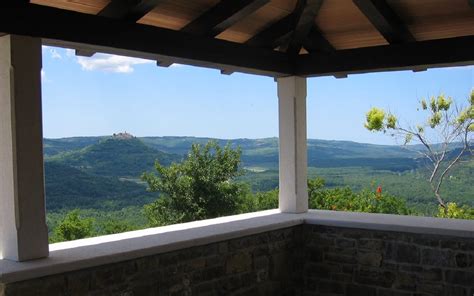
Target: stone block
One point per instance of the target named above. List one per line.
(375, 277)
(438, 257)
(240, 262)
(369, 259)
(457, 277)
(357, 290)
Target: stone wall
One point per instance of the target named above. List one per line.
(254, 265)
(305, 260)
(347, 261)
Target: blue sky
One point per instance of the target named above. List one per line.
(108, 94)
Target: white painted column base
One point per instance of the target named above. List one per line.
(293, 147)
(23, 230)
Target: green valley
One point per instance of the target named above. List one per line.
(101, 175)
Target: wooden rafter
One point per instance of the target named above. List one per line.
(315, 42)
(222, 16)
(407, 56)
(162, 44)
(385, 20)
(129, 10)
(305, 15)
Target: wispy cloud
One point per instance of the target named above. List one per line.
(70, 52)
(55, 54)
(110, 63)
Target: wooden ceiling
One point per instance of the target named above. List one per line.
(341, 22)
(294, 27)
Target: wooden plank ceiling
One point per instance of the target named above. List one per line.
(299, 27)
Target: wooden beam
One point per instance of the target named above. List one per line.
(315, 42)
(164, 64)
(84, 53)
(105, 35)
(305, 17)
(129, 10)
(457, 51)
(385, 20)
(222, 16)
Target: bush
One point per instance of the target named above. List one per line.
(72, 227)
(453, 211)
(259, 201)
(344, 199)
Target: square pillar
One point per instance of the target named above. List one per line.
(23, 230)
(293, 146)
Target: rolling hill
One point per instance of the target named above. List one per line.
(114, 157)
(89, 172)
(68, 188)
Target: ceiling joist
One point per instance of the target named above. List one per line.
(415, 55)
(385, 20)
(305, 14)
(106, 35)
(222, 16)
(315, 42)
(128, 10)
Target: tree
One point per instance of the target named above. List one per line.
(446, 127)
(73, 227)
(200, 187)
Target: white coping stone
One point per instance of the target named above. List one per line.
(108, 249)
(386, 222)
(86, 253)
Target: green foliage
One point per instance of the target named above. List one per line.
(375, 119)
(113, 226)
(115, 157)
(345, 199)
(453, 211)
(259, 201)
(200, 187)
(391, 121)
(69, 188)
(73, 227)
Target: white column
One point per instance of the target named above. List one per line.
(293, 151)
(23, 230)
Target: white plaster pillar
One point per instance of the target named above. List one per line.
(23, 230)
(293, 151)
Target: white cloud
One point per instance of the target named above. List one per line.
(43, 74)
(55, 54)
(177, 65)
(110, 63)
(70, 52)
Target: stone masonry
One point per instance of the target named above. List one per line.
(304, 260)
(348, 261)
(254, 265)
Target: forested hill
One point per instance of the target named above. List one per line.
(104, 172)
(255, 152)
(116, 157)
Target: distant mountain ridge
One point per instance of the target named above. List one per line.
(104, 172)
(114, 156)
(264, 152)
